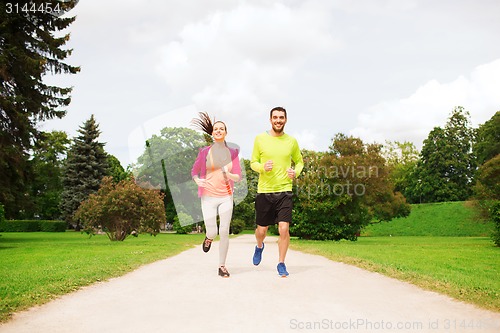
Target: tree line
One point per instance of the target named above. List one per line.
(47, 175)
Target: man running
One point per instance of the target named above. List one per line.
(273, 152)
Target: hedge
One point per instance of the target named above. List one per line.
(32, 226)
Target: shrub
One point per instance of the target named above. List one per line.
(52, 226)
(121, 209)
(236, 226)
(187, 222)
(19, 226)
(32, 226)
(2, 213)
(495, 214)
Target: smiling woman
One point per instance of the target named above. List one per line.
(215, 170)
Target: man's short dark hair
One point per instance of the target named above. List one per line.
(278, 108)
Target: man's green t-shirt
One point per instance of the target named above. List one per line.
(282, 150)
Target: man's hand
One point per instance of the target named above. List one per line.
(268, 166)
(291, 173)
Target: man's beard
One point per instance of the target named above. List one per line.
(278, 130)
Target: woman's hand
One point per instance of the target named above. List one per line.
(199, 182)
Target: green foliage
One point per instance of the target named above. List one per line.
(495, 215)
(47, 165)
(401, 159)
(2, 213)
(236, 226)
(447, 165)
(454, 219)
(31, 46)
(488, 180)
(166, 164)
(487, 143)
(32, 226)
(86, 165)
(245, 210)
(52, 226)
(341, 191)
(186, 226)
(121, 209)
(19, 226)
(116, 170)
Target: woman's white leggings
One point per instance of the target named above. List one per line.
(210, 207)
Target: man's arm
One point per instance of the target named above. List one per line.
(255, 162)
(297, 159)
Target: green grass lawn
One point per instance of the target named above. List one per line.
(37, 267)
(442, 247)
(435, 219)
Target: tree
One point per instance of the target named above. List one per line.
(487, 187)
(116, 170)
(86, 165)
(122, 209)
(401, 159)
(488, 180)
(342, 190)
(487, 143)
(47, 165)
(166, 164)
(446, 167)
(29, 50)
(245, 210)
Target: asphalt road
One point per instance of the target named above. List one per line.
(185, 294)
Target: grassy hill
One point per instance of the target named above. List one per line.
(435, 219)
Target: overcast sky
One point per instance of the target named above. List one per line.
(376, 69)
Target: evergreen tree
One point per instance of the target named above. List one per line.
(86, 165)
(29, 49)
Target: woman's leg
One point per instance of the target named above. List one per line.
(209, 210)
(225, 214)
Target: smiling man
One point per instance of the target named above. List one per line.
(272, 156)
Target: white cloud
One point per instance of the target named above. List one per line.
(245, 54)
(335, 65)
(412, 118)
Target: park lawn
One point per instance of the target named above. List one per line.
(37, 267)
(464, 268)
(457, 218)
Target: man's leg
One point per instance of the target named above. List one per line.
(284, 240)
(260, 235)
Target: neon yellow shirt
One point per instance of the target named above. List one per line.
(282, 150)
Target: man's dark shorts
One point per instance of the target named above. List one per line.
(271, 208)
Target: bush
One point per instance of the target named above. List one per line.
(187, 222)
(236, 226)
(52, 226)
(122, 209)
(330, 220)
(495, 214)
(2, 213)
(32, 226)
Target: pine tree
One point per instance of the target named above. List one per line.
(86, 165)
(29, 50)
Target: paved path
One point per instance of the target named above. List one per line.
(185, 294)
